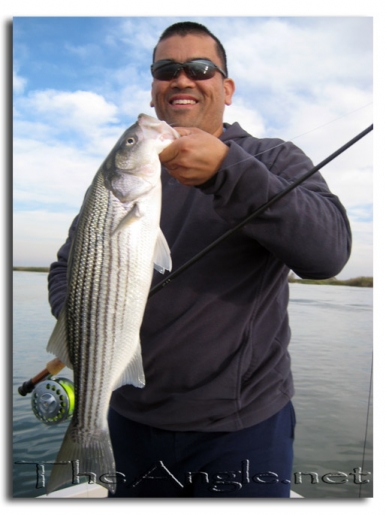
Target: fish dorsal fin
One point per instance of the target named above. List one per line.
(133, 373)
(162, 259)
(57, 343)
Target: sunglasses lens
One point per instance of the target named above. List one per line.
(166, 71)
(197, 70)
(200, 70)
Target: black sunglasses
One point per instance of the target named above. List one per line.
(197, 69)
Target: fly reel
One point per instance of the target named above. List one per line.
(53, 400)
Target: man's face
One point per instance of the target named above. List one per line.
(184, 102)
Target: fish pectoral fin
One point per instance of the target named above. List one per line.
(162, 259)
(133, 215)
(57, 344)
(133, 373)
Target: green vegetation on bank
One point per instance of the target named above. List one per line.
(31, 269)
(363, 282)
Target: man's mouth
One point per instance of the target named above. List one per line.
(182, 101)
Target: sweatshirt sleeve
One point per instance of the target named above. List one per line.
(57, 277)
(308, 229)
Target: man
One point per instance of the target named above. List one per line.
(215, 417)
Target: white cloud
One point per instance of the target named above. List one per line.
(249, 119)
(282, 55)
(51, 175)
(78, 110)
(59, 122)
(83, 51)
(18, 82)
(141, 33)
(134, 100)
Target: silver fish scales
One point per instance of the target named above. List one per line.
(116, 244)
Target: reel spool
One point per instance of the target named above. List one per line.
(53, 400)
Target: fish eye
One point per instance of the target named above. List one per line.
(130, 141)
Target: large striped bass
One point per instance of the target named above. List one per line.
(116, 244)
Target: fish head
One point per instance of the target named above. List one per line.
(133, 165)
(159, 132)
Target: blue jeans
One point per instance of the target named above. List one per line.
(252, 462)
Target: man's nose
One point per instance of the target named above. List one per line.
(182, 80)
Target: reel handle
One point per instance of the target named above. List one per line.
(52, 368)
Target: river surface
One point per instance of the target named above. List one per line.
(331, 352)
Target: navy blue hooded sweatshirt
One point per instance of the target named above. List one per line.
(215, 340)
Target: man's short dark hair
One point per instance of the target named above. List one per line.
(184, 28)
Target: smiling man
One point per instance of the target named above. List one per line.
(183, 101)
(177, 96)
(215, 418)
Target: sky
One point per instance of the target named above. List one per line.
(303, 72)
(79, 82)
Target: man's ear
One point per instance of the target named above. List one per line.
(229, 89)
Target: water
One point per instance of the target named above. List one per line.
(331, 353)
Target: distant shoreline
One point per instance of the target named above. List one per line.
(45, 269)
(362, 282)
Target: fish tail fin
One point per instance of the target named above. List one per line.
(89, 456)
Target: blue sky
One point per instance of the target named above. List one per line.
(80, 81)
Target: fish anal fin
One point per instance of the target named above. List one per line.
(133, 373)
(162, 259)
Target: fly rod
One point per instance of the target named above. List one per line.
(29, 385)
(259, 211)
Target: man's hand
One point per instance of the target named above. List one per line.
(195, 157)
